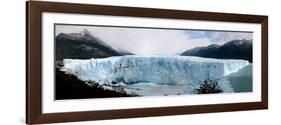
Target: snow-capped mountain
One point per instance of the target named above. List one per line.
(82, 45)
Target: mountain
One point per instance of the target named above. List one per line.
(124, 52)
(235, 49)
(82, 46)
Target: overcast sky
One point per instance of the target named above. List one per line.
(155, 41)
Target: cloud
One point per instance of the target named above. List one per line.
(140, 40)
(154, 41)
(222, 37)
(197, 34)
(148, 41)
(219, 37)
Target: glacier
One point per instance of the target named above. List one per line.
(185, 71)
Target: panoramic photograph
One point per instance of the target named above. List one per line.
(113, 61)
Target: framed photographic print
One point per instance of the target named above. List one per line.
(93, 62)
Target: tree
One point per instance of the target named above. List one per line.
(208, 87)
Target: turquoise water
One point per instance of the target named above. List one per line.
(241, 81)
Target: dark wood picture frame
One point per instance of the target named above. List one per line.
(34, 10)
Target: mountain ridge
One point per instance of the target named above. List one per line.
(235, 49)
(82, 45)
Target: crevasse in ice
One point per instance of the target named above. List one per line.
(162, 70)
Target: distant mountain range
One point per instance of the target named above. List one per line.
(83, 46)
(235, 49)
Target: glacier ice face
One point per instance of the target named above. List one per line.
(161, 70)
